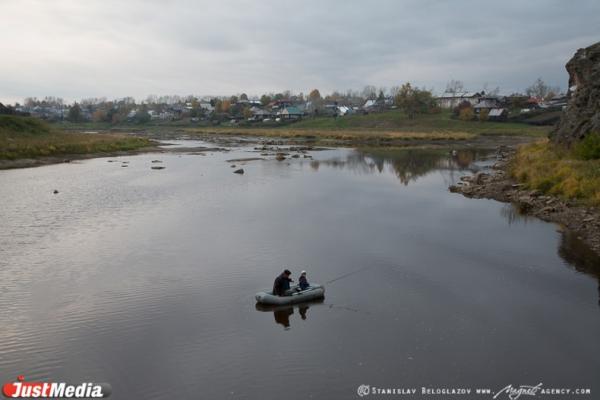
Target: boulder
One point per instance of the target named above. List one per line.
(582, 114)
(239, 171)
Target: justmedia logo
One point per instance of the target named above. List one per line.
(363, 390)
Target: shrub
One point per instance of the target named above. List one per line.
(466, 114)
(589, 147)
(483, 115)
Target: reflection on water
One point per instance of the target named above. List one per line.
(282, 313)
(407, 164)
(145, 279)
(579, 256)
(572, 250)
(512, 214)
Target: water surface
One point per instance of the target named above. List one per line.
(145, 279)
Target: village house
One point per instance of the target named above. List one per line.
(290, 112)
(450, 100)
(486, 103)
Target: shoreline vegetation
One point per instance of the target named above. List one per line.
(27, 141)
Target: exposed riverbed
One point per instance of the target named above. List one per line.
(145, 278)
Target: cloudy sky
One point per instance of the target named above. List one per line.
(116, 48)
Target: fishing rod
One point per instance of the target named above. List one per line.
(349, 274)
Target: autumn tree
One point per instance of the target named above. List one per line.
(225, 105)
(466, 114)
(484, 115)
(415, 101)
(314, 95)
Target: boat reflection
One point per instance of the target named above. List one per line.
(282, 313)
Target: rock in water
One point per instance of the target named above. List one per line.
(582, 115)
(239, 171)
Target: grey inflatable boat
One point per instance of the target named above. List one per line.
(293, 296)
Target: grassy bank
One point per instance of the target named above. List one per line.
(396, 120)
(26, 137)
(568, 173)
(389, 125)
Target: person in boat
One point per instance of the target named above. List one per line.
(282, 283)
(302, 281)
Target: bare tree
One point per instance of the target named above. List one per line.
(369, 92)
(455, 86)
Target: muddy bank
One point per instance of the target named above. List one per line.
(498, 185)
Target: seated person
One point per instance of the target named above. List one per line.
(302, 281)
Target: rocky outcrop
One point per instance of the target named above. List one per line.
(582, 115)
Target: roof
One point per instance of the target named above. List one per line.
(496, 112)
(486, 104)
(292, 111)
(458, 95)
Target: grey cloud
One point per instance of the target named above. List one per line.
(109, 48)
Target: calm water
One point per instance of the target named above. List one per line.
(145, 279)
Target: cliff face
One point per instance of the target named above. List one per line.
(582, 115)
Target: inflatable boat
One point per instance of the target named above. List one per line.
(292, 296)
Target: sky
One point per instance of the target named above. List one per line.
(80, 49)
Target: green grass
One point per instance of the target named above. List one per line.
(396, 120)
(559, 171)
(27, 137)
(386, 126)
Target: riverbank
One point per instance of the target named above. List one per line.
(501, 184)
(28, 142)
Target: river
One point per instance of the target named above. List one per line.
(145, 278)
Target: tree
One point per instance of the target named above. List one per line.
(381, 96)
(466, 114)
(415, 101)
(247, 113)
(455, 86)
(461, 106)
(540, 90)
(225, 106)
(142, 116)
(369, 92)
(218, 106)
(264, 99)
(74, 113)
(314, 95)
(484, 115)
(244, 96)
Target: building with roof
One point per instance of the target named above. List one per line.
(290, 112)
(451, 100)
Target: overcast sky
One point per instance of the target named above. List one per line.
(116, 48)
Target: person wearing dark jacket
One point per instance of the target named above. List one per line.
(282, 283)
(302, 281)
